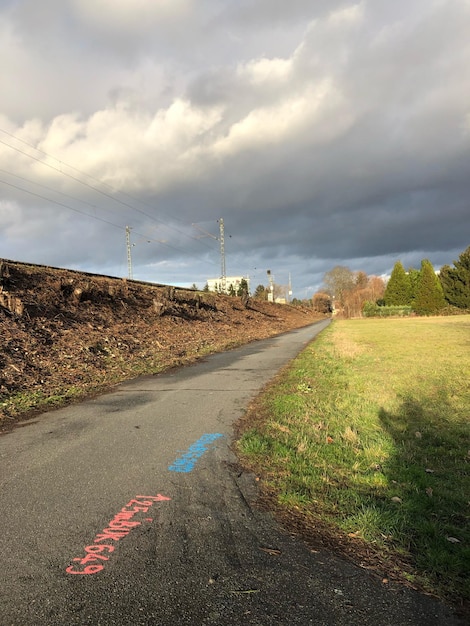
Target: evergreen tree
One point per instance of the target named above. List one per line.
(456, 281)
(430, 295)
(243, 287)
(261, 293)
(398, 290)
(414, 276)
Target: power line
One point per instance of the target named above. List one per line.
(60, 193)
(32, 193)
(94, 188)
(57, 169)
(107, 195)
(66, 206)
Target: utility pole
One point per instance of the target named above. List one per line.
(129, 257)
(289, 289)
(271, 286)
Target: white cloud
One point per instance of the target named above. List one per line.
(127, 148)
(351, 118)
(347, 16)
(138, 15)
(262, 71)
(303, 118)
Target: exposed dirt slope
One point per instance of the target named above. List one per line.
(65, 334)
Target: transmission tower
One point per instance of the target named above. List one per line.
(129, 256)
(222, 255)
(221, 240)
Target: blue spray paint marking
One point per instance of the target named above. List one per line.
(187, 461)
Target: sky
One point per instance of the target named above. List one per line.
(322, 133)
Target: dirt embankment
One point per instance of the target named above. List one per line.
(66, 334)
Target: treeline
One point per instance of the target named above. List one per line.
(413, 291)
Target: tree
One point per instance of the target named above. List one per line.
(352, 290)
(280, 292)
(430, 295)
(261, 293)
(361, 280)
(398, 290)
(456, 281)
(376, 286)
(321, 303)
(413, 276)
(338, 282)
(242, 288)
(367, 289)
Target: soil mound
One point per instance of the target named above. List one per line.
(66, 334)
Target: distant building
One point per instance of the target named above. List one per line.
(215, 284)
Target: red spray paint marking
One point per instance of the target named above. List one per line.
(119, 527)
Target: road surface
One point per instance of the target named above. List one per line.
(128, 509)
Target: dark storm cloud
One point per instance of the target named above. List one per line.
(324, 133)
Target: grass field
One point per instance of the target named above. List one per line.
(368, 433)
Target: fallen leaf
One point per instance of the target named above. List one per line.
(429, 491)
(396, 499)
(453, 540)
(418, 435)
(429, 471)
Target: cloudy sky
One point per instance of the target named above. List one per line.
(322, 132)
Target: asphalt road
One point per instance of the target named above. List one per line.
(128, 509)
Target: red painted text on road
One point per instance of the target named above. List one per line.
(119, 527)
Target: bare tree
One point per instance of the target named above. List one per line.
(338, 282)
(321, 302)
(368, 290)
(280, 292)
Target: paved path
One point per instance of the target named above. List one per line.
(128, 510)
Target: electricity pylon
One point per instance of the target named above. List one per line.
(221, 240)
(129, 257)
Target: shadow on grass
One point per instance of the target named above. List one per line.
(429, 477)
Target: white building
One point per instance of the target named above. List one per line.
(215, 284)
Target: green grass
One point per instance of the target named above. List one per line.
(368, 432)
(25, 401)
